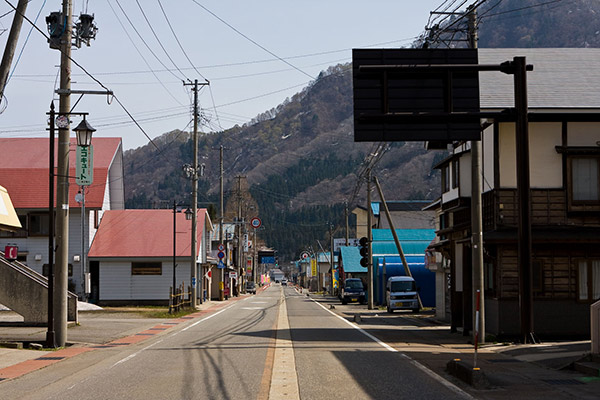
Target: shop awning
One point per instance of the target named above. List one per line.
(8, 216)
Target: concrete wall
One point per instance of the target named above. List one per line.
(26, 292)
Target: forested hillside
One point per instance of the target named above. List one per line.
(298, 161)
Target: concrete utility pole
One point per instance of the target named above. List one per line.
(195, 173)
(476, 218)
(370, 240)
(62, 189)
(347, 224)
(395, 235)
(11, 44)
(332, 261)
(222, 272)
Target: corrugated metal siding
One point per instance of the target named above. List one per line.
(117, 283)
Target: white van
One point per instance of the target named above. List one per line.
(401, 294)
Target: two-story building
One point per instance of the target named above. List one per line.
(564, 157)
(24, 172)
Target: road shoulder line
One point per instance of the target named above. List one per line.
(414, 362)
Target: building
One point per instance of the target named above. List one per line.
(564, 154)
(406, 214)
(131, 257)
(24, 173)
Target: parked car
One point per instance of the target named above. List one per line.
(353, 290)
(250, 287)
(401, 294)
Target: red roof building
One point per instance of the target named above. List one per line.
(24, 172)
(132, 254)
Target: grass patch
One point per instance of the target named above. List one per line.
(164, 313)
(145, 311)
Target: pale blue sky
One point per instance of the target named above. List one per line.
(242, 74)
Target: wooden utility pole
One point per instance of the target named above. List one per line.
(11, 44)
(476, 210)
(62, 188)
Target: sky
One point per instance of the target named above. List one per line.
(255, 54)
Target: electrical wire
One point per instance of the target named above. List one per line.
(190, 61)
(25, 44)
(142, 56)
(144, 41)
(252, 41)
(159, 41)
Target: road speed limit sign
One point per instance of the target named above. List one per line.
(255, 222)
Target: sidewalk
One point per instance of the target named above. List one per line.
(514, 371)
(96, 330)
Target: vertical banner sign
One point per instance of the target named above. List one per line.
(246, 243)
(84, 169)
(313, 267)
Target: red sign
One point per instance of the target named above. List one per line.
(10, 252)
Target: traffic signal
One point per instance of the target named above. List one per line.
(364, 251)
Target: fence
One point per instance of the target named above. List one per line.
(177, 299)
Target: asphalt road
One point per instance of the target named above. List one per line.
(253, 349)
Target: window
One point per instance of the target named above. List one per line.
(537, 275)
(488, 279)
(445, 179)
(39, 224)
(584, 183)
(146, 268)
(455, 173)
(19, 233)
(588, 280)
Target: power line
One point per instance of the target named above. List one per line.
(144, 41)
(158, 39)
(252, 41)
(141, 55)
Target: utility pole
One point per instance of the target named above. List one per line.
(195, 168)
(222, 272)
(62, 180)
(370, 240)
(331, 260)
(11, 44)
(476, 218)
(347, 224)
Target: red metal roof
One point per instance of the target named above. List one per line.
(144, 233)
(24, 170)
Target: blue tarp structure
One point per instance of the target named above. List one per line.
(413, 242)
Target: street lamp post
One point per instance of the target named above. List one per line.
(84, 132)
(188, 216)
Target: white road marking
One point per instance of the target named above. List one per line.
(414, 362)
(253, 308)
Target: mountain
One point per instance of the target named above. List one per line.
(299, 160)
(297, 163)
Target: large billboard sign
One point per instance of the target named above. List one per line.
(415, 95)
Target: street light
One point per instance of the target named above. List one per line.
(84, 132)
(188, 216)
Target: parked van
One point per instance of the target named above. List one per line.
(353, 290)
(401, 294)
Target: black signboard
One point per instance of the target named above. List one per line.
(397, 99)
